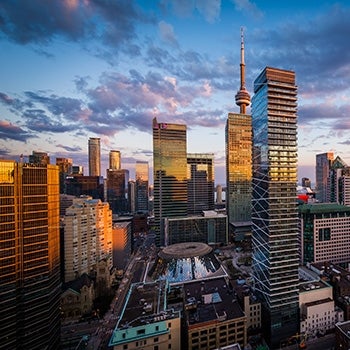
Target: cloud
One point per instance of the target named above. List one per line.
(69, 149)
(248, 7)
(209, 9)
(102, 26)
(167, 33)
(9, 131)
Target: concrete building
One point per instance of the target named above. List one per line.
(87, 237)
(274, 208)
(94, 151)
(213, 318)
(325, 231)
(146, 321)
(318, 312)
(30, 283)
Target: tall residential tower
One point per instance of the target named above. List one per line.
(238, 135)
(274, 202)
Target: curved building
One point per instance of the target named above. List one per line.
(183, 262)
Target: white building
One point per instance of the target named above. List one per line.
(318, 312)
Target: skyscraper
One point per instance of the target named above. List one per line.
(29, 256)
(141, 175)
(274, 205)
(170, 170)
(117, 189)
(65, 166)
(114, 160)
(323, 165)
(200, 182)
(238, 136)
(94, 156)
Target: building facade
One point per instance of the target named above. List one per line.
(325, 231)
(122, 238)
(87, 237)
(142, 183)
(323, 165)
(274, 205)
(94, 156)
(238, 144)
(170, 174)
(114, 160)
(29, 256)
(200, 182)
(146, 322)
(117, 190)
(210, 228)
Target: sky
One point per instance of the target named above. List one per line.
(74, 69)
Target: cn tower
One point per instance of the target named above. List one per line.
(242, 96)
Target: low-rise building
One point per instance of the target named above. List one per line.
(146, 322)
(318, 312)
(342, 335)
(325, 231)
(213, 316)
(77, 298)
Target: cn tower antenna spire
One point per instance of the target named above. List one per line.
(242, 96)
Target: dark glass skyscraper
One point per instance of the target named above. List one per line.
(29, 256)
(274, 204)
(200, 177)
(170, 170)
(141, 188)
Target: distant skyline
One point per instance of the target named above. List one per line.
(75, 69)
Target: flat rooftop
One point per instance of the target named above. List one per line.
(212, 300)
(143, 304)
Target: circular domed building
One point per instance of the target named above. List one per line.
(188, 261)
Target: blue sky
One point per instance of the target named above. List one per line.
(74, 69)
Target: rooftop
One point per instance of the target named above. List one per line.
(212, 300)
(319, 208)
(144, 313)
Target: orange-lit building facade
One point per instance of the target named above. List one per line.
(29, 256)
(87, 237)
(170, 174)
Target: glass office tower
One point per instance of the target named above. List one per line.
(170, 170)
(30, 284)
(200, 177)
(141, 190)
(274, 204)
